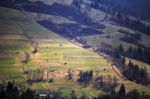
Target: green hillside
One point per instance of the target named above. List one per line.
(19, 31)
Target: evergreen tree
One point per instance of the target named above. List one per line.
(121, 49)
(28, 94)
(145, 76)
(129, 52)
(117, 54)
(9, 90)
(2, 94)
(122, 90)
(123, 61)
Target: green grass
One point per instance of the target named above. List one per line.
(13, 46)
(138, 87)
(77, 58)
(141, 64)
(66, 87)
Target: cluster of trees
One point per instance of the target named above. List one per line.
(85, 78)
(122, 94)
(142, 54)
(129, 22)
(134, 73)
(130, 71)
(106, 84)
(11, 91)
(121, 14)
(131, 37)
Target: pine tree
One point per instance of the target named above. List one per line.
(117, 54)
(28, 94)
(122, 90)
(129, 52)
(130, 64)
(144, 75)
(121, 49)
(123, 61)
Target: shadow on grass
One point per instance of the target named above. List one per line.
(70, 12)
(70, 30)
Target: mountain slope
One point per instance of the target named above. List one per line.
(55, 52)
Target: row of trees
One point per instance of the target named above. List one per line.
(142, 54)
(105, 83)
(122, 94)
(12, 91)
(134, 73)
(85, 78)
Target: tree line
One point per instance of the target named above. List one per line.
(121, 15)
(138, 53)
(130, 70)
(132, 23)
(134, 73)
(12, 91)
(136, 8)
(99, 82)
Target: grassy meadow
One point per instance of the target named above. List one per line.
(54, 53)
